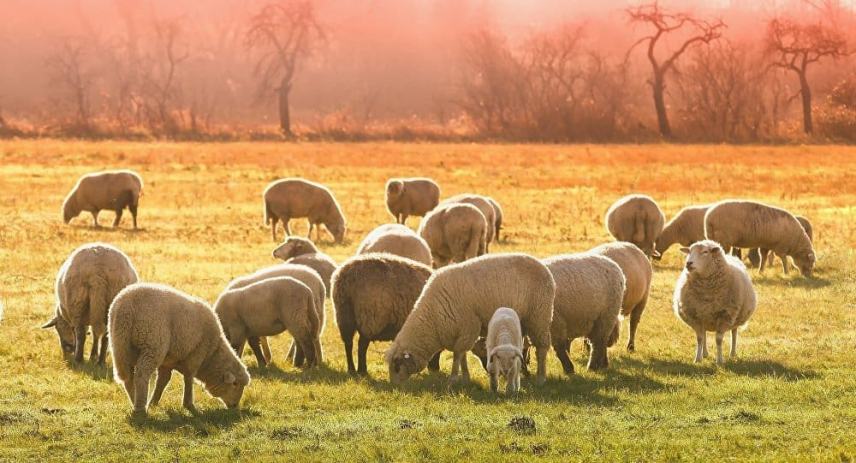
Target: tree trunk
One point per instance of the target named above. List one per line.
(659, 88)
(805, 91)
(284, 110)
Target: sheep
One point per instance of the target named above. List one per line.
(636, 219)
(497, 210)
(589, 294)
(504, 344)
(750, 224)
(411, 196)
(372, 295)
(457, 303)
(484, 206)
(638, 276)
(298, 250)
(713, 293)
(155, 327)
(111, 190)
(760, 257)
(86, 284)
(399, 240)
(293, 198)
(685, 228)
(305, 275)
(269, 307)
(455, 233)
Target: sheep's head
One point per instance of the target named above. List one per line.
(65, 332)
(69, 208)
(337, 229)
(805, 262)
(703, 257)
(402, 364)
(394, 189)
(505, 360)
(231, 387)
(650, 251)
(294, 246)
(660, 248)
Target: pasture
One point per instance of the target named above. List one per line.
(791, 394)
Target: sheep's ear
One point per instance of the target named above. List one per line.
(229, 378)
(716, 250)
(655, 254)
(50, 323)
(685, 250)
(490, 360)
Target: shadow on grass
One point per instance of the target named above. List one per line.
(743, 367)
(781, 281)
(202, 423)
(110, 229)
(322, 374)
(91, 369)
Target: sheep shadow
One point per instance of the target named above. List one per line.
(90, 369)
(202, 423)
(781, 281)
(110, 229)
(321, 375)
(743, 367)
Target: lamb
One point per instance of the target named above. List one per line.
(484, 206)
(399, 240)
(638, 275)
(87, 282)
(760, 257)
(750, 224)
(504, 344)
(267, 308)
(373, 294)
(685, 228)
(455, 233)
(589, 293)
(636, 219)
(411, 196)
(713, 293)
(298, 250)
(305, 275)
(457, 303)
(497, 210)
(158, 328)
(111, 190)
(296, 198)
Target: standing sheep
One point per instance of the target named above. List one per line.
(638, 275)
(411, 196)
(760, 257)
(454, 233)
(294, 198)
(636, 219)
(298, 250)
(589, 292)
(484, 206)
(301, 273)
(504, 345)
(267, 308)
(750, 224)
(373, 294)
(157, 328)
(713, 293)
(87, 282)
(457, 303)
(685, 228)
(497, 210)
(398, 240)
(112, 190)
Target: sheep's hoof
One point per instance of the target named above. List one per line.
(631, 348)
(192, 409)
(139, 413)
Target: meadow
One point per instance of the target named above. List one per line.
(791, 395)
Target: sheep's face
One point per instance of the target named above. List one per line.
(69, 210)
(230, 390)
(703, 257)
(294, 246)
(337, 229)
(65, 332)
(805, 262)
(402, 365)
(394, 189)
(505, 361)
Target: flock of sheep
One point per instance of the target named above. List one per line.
(427, 291)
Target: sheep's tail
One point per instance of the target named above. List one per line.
(120, 344)
(476, 245)
(99, 305)
(639, 228)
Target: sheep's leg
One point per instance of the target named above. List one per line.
(404, 219)
(494, 381)
(719, 336)
(129, 387)
(273, 221)
(541, 356)
(299, 355)
(764, 256)
(143, 371)
(80, 340)
(434, 362)
(133, 209)
(701, 340)
(465, 369)
(348, 340)
(95, 219)
(102, 356)
(309, 235)
(362, 349)
(164, 375)
(286, 225)
(734, 343)
(561, 348)
(263, 340)
(257, 349)
(306, 348)
(454, 377)
(784, 258)
(598, 360)
(118, 218)
(187, 402)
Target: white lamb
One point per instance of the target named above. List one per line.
(504, 344)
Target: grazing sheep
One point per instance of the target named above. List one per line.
(455, 233)
(760, 257)
(86, 284)
(685, 228)
(398, 240)
(373, 294)
(112, 190)
(158, 328)
(457, 303)
(484, 206)
(411, 196)
(636, 219)
(294, 198)
(497, 216)
(750, 224)
(298, 250)
(589, 292)
(305, 275)
(713, 293)
(504, 344)
(638, 275)
(267, 308)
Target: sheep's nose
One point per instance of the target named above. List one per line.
(689, 265)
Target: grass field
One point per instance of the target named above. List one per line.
(790, 396)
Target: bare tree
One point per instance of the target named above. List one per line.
(159, 81)
(794, 47)
(72, 74)
(665, 24)
(286, 32)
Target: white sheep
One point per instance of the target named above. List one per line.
(293, 198)
(298, 250)
(399, 240)
(157, 328)
(484, 206)
(112, 190)
(455, 233)
(504, 344)
(411, 196)
(713, 293)
(636, 219)
(498, 215)
(685, 228)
